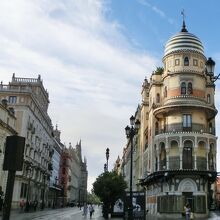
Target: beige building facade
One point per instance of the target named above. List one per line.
(30, 102)
(177, 137)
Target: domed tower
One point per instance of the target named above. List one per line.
(179, 147)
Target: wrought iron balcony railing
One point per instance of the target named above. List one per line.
(178, 127)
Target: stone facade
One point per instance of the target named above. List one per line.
(174, 156)
(177, 134)
(30, 102)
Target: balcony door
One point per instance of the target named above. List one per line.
(187, 155)
(187, 122)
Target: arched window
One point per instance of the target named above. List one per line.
(210, 127)
(156, 128)
(186, 61)
(165, 91)
(183, 88)
(187, 155)
(158, 98)
(35, 154)
(209, 98)
(211, 158)
(190, 90)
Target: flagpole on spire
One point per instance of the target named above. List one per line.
(184, 25)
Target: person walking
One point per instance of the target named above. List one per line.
(91, 210)
(22, 204)
(187, 211)
(85, 210)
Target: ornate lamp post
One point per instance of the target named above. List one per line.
(105, 167)
(210, 66)
(130, 133)
(107, 157)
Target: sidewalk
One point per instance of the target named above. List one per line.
(98, 215)
(55, 214)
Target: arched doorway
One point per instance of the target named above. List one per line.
(187, 155)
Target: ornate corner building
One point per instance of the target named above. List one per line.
(177, 136)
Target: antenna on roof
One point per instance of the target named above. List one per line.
(184, 25)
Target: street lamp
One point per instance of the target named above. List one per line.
(210, 66)
(29, 170)
(105, 167)
(130, 133)
(107, 157)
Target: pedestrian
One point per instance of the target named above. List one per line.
(85, 210)
(91, 210)
(1, 198)
(27, 207)
(22, 204)
(187, 211)
(35, 205)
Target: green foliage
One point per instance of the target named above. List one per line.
(92, 198)
(109, 186)
(159, 71)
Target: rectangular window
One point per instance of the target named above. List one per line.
(199, 204)
(177, 62)
(23, 192)
(12, 99)
(169, 204)
(195, 62)
(187, 121)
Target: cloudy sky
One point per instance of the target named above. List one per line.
(93, 56)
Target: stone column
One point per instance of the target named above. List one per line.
(181, 154)
(207, 159)
(158, 160)
(195, 158)
(167, 159)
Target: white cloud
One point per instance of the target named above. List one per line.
(157, 10)
(92, 74)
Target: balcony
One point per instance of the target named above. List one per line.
(174, 104)
(178, 127)
(174, 164)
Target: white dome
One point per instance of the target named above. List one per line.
(184, 41)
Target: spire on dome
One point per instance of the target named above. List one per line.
(184, 25)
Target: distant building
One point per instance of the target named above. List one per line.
(65, 175)
(79, 175)
(55, 187)
(30, 100)
(137, 159)
(117, 166)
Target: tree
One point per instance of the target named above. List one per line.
(92, 198)
(109, 186)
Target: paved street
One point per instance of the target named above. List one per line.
(76, 214)
(57, 214)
